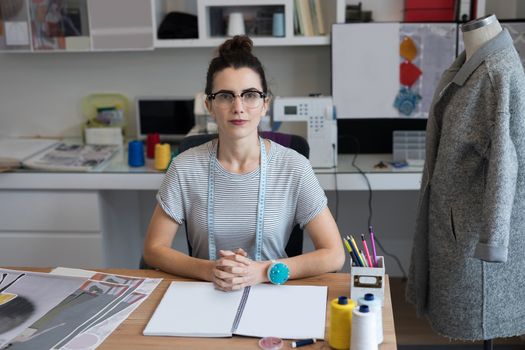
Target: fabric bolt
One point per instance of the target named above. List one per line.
(293, 196)
(467, 272)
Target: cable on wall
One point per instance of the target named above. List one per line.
(370, 211)
(335, 185)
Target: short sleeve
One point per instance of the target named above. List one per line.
(170, 196)
(311, 199)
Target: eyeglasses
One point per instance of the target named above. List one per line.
(249, 99)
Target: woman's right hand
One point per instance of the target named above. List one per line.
(229, 271)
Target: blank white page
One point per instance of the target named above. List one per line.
(289, 312)
(194, 309)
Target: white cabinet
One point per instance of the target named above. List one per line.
(210, 14)
(50, 228)
(76, 25)
(121, 24)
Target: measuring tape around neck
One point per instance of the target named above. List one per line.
(259, 226)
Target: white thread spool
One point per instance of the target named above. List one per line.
(363, 329)
(374, 304)
(236, 24)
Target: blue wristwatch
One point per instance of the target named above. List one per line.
(278, 272)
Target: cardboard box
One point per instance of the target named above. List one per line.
(103, 136)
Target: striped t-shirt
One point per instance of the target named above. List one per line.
(293, 196)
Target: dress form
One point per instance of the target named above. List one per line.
(477, 32)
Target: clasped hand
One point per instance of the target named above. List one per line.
(234, 270)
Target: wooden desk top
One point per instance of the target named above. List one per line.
(129, 334)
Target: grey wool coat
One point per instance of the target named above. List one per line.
(467, 272)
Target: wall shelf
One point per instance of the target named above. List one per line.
(131, 25)
(333, 12)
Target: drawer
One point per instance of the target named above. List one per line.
(80, 250)
(49, 211)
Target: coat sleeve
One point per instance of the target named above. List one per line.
(501, 168)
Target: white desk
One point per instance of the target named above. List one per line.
(99, 219)
(117, 175)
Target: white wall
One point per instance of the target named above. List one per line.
(520, 10)
(507, 9)
(41, 93)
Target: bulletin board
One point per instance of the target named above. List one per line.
(389, 70)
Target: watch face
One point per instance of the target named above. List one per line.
(279, 273)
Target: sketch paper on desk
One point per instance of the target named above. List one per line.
(27, 296)
(197, 309)
(72, 157)
(85, 317)
(15, 150)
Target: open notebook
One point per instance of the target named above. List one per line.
(197, 309)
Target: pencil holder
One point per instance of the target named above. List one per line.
(368, 280)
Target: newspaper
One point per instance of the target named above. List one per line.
(72, 157)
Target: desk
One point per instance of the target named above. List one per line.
(102, 216)
(129, 334)
(117, 175)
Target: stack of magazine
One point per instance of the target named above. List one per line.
(72, 157)
(58, 311)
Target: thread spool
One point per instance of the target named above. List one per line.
(236, 24)
(135, 153)
(151, 141)
(162, 156)
(340, 322)
(363, 329)
(278, 24)
(374, 304)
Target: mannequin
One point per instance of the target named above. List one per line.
(477, 32)
(467, 271)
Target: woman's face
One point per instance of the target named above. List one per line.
(236, 119)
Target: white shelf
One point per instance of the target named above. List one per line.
(117, 38)
(257, 41)
(333, 10)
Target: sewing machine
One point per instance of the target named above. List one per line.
(319, 113)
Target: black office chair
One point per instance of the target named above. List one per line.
(294, 246)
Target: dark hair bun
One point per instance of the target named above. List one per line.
(238, 43)
(234, 53)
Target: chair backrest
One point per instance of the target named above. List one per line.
(294, 246)
(294, 142)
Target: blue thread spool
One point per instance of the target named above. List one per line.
(278, 24)
(135, 153)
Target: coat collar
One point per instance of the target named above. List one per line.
(465, 69)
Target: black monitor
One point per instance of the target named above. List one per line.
(171, 117)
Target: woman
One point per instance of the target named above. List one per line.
(241, 195)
